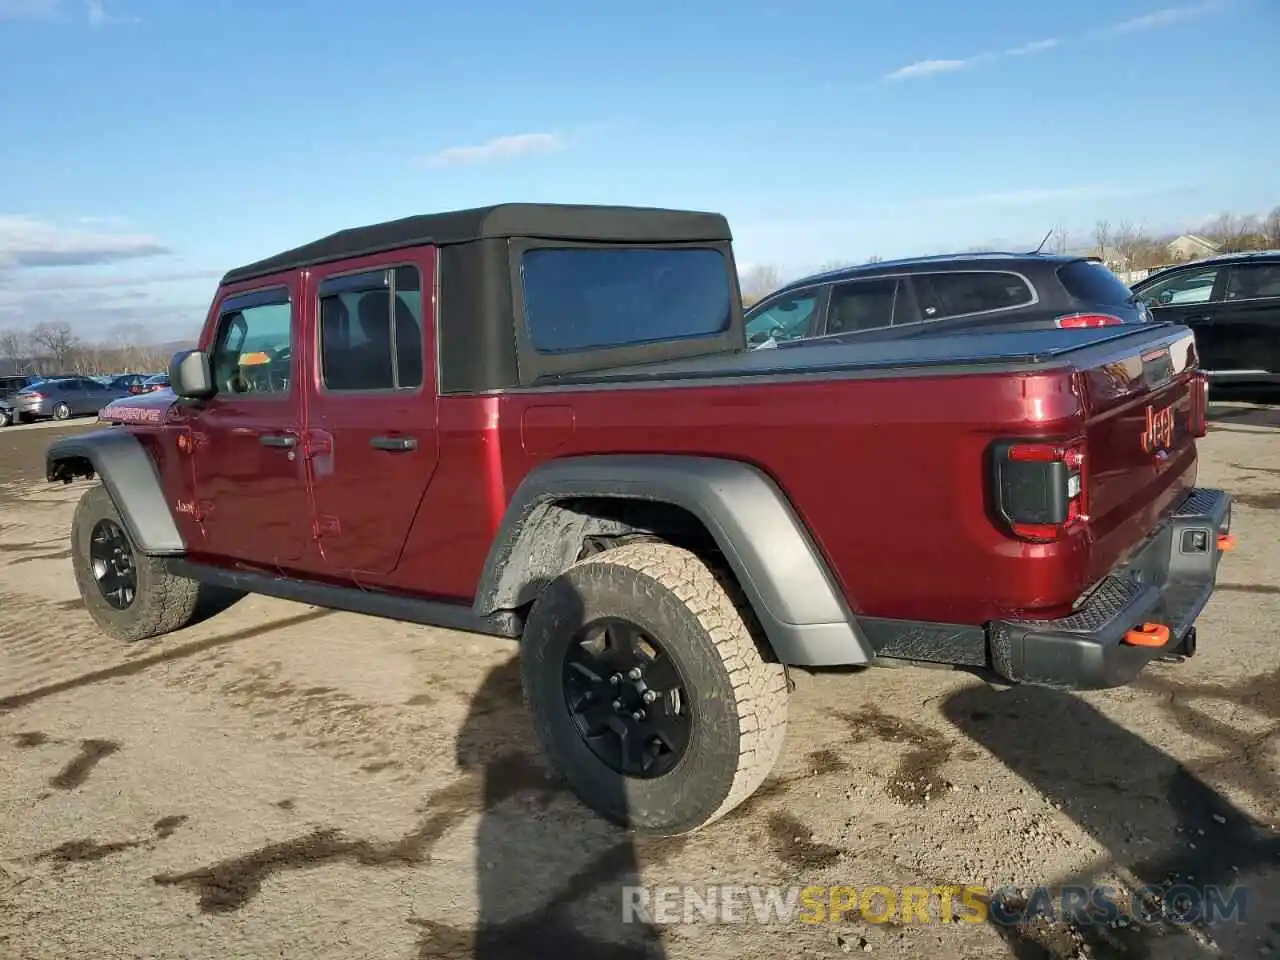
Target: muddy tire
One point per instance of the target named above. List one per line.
(648, 640)
(106, 562)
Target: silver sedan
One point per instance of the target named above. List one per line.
(62, 398)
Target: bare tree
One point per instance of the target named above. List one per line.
(1231, 233)
(1129, 242)
(14, 348)
(56, 341)
(1271, 229)
(1102, 238)
(760, 280)
(875, 258)
(1060, 239)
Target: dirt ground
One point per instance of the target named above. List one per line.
(283, 781)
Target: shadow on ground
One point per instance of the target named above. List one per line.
(1160, 824)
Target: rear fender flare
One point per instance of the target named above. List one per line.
(784, 577)
(118, 458)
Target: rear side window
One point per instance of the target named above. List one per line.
(579, 299)
(1094, 283)
(1254, 281)
(371, 331)
(973, 291)
(861, 305)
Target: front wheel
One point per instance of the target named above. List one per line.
(649, 690)
(130, 595)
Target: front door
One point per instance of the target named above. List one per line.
(251, 480)
(1193, 296)
(371, 421)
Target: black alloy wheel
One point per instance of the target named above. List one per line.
(626, 698)
(111, 559)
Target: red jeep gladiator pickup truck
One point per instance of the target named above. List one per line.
(543, 422)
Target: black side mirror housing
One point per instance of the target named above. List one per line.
(191, 375)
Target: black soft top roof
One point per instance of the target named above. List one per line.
(547, 221)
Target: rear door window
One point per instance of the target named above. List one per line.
(862, 305)
(1093, 282)
(1254, 281)
(961, 293)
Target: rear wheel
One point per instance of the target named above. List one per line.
(61, 411)
(131, 596)
(6, 418)
(649, 690)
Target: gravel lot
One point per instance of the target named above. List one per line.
(280, 780)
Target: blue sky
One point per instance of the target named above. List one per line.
(149, 145)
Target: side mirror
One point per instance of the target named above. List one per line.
(191, 375)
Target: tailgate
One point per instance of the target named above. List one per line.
(1145, 408)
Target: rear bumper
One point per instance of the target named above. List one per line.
(1168, 580)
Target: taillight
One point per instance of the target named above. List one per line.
(1039, 487)
(1198, 414)
(1076, 320)
(34, 396)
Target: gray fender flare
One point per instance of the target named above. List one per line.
(117, 457)
(784, 577)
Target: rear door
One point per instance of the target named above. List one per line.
(371, 438)
(863, 305)
(1246, 326)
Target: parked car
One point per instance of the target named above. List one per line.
(158, 381)
(1232, 303)
(62, 398)
(571, 444)
(12, 384)
(123, 381)
(8, 386)
(946, 294)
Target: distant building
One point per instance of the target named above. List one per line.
(1191, 246)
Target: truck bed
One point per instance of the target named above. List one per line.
(990, 352)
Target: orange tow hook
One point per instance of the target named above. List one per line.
(1226, 542)
(1148, 635)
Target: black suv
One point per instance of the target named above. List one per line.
(946, 294)
(1232, 302)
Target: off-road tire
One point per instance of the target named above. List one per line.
(738, 693)
(163, 603)
(61, 411)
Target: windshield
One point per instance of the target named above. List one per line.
(598, 298)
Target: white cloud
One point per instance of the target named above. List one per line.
(28, 242)
(499, 148)
(1164, 18)
(925, 68)
(1036, 46)
(97, 12)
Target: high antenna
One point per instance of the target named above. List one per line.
(1044, 241)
